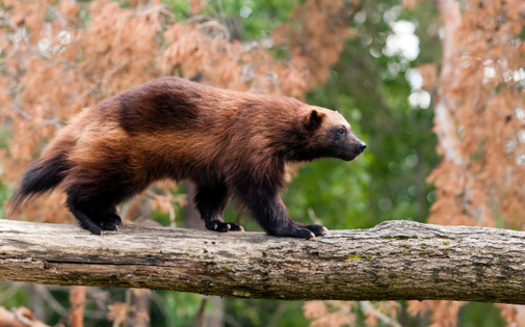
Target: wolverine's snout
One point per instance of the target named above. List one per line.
(353, 150)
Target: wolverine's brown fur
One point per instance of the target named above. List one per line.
(226, 142)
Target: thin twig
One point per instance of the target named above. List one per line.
(53, 303)
(200, 317)
(367, 306)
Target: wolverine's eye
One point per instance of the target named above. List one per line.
(341, 131)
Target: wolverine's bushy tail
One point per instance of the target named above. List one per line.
(42, 176)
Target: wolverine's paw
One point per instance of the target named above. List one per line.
(236, 227)
(220, 226)
(296, 230)
(301, 232)
(318, 230)
(91, 226)
(111, 222)
(109, 225)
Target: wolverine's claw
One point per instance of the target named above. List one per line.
(224, 227)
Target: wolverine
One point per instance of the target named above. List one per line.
(229, 144)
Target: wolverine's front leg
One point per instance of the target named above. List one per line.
(210, 202)
(269, 210)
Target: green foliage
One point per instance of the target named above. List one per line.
(476, 314)
(5, 191)
(12, 296)
(181, 9)
(337, 197)
(265, 313)
(253, 19)
(179, 309)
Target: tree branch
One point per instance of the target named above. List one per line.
(392, 261)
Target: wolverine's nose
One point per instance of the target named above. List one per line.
(361, 147)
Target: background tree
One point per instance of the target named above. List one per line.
(479, 120)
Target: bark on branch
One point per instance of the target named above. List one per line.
(392, 261)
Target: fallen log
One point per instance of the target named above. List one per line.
(396, 260)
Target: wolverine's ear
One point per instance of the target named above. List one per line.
(314, 120)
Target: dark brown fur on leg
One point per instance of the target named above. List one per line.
(269, 210)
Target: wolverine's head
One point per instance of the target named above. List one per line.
(330, 135)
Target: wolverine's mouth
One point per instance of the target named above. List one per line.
(360, 148)
(348, 157)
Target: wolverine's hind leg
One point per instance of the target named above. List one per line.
(210, 202)
(94, 216)
(80, 210)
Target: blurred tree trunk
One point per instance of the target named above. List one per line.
(139, 304)
(192, 219)
(77, 298)
(445, 125)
